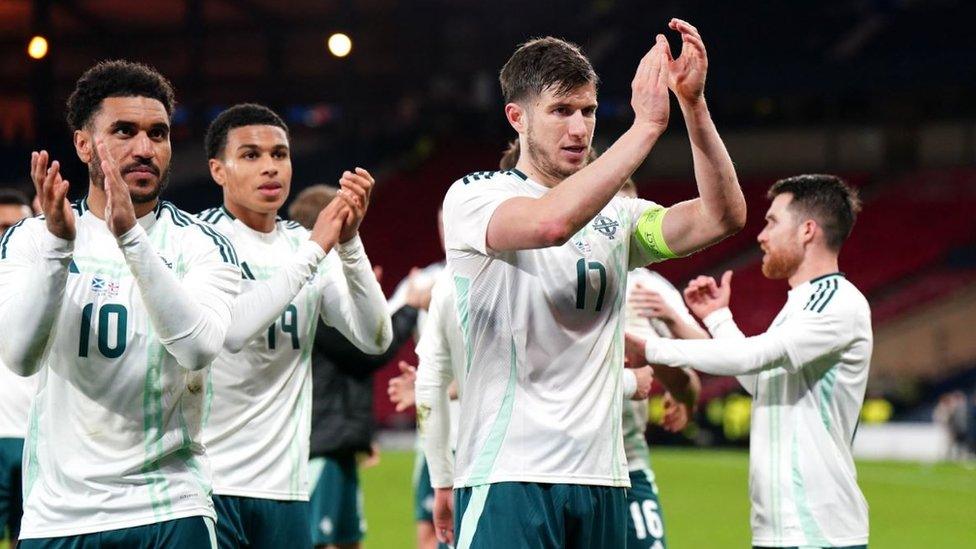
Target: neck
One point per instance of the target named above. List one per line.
(526, 166)
(263, 222)
(97, 199)
(814, 265)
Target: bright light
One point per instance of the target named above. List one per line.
(340, 45)
(37, 48)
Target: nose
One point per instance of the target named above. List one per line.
(761, 238)
(577, 125)
(269, 168)
(143, 146)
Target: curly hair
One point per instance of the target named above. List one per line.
(118, 78)
(243, 114)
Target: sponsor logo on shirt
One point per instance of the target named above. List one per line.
(605, 226)
(583, 246)
(168, 264)
(101, 286)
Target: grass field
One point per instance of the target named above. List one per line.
(706, 505)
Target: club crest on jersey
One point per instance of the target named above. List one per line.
(101, 286)
(605, 226)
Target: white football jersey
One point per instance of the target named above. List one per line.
(543, 334)
(257, 434)
(16, 393)
(635, 411)
(114, 431)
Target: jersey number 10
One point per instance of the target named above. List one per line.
(105, 316)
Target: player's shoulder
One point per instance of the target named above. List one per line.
(476, 181)
(834, 294)
(291, 228)
(218, 217)
(195, 233)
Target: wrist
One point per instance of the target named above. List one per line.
(647, 130)
(715, 318)
(694, 108)
(350, 246)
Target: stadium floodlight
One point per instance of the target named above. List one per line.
(37, 48)
(340, 44)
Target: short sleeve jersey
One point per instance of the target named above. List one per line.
(543, 340)
(114, 433)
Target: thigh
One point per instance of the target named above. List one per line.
(335, 507)
(645, 518)
(509, 514)
(274, 523)
(230, 530)
(423, 494)
(11, 505)
(596, 517)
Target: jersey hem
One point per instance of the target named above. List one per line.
(207, 512)
(546, 479)
(259, 494)
(800, 542)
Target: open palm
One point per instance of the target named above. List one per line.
(687, 73)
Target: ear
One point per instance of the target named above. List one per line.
(217, 171)
(807, 231)
(84, 144)
(516, 116)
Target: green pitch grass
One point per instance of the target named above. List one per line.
(706, 505)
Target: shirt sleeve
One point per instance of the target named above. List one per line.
(434, 375)
(353, 301)
(33, 274)
(468, 208)
(722, 326)
(190, 316)
(262, 302)
(803, 339)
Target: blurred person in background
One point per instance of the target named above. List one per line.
(16, 393)
(343, 428)
(953, 414)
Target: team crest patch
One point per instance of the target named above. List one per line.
(605, 226)
(101, 286)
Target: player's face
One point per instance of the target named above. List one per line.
(560, 130)
(136, 132)
(256, 168)
(780, 240)
(10, 214)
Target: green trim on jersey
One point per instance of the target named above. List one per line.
(649, 232)
(485, 461)
(153, 428)
(774, 429)
(224, 246)
(619, 262)
(32, 467)
(810, 528)
(6, 237)
(827, 395)
(462, 287)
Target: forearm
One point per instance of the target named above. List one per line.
(190, 327)
(258, 307)
(31, 303)
(722, 326)
(356, 363)
(680, 382)
(434, 423)
(363, 316)
(684, 330)
(720, 356)
(722, 201)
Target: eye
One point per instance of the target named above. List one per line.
(250, 155)
(158, 134)
(562, 111)
(280, 155)
(589, 112)
(124, 131)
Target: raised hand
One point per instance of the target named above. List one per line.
(444, 515)
(634, 354)
(686, 74)
(355, 189)
(52, 191)
(418, 290)
(704, 296)
(676, 414)
(649, 89)
(650, 304)
(120, 214)
(401, 388)
(329, 223)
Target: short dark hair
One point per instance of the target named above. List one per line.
(117, 78)
(307, 205)
(240, 115)
(828, 199)
(545, 63)
(13, 197)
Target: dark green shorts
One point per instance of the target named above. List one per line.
(423, 494)
(11, 504)
(185, 533)
(540, 516)
(645, 529)
(244, 523)
(336, 504)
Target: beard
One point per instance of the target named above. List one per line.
(545, 163)
(782, 263)
(140, 194)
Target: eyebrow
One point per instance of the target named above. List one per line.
(278, 147)
(118, 124)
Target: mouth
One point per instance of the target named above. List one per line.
(271, 189)
(575, 152)
(141, 172)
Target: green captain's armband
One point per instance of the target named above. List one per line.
(649, 235)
